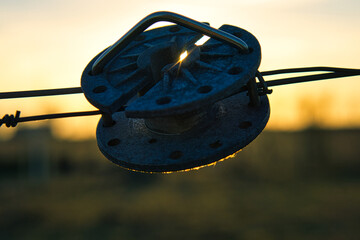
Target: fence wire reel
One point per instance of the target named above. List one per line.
(164, 114)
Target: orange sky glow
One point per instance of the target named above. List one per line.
(47, 44)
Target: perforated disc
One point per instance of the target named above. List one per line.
(230, 126)
(150, 65)
(189, 100)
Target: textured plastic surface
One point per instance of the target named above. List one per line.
(150, 65)
(230, 126)
(180, 114)
(122, 78)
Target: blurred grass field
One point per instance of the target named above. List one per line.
(284, 185)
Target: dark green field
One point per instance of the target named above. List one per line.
(298, 185)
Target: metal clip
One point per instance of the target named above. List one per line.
(169, 17)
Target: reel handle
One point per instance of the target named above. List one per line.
(146, 22)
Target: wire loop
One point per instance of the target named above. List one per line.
(264, 90)
(10, 120)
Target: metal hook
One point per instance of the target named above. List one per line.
(169, 17)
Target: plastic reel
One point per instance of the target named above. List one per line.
(179, 114)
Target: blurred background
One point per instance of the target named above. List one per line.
(299, 179)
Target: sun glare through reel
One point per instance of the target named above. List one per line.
(178, 97)
(180, 114)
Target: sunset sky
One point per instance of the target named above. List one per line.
(47, 44)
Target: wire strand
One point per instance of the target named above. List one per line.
(314, 77)
(341, 72)
(311, 69)
(13, 120)
(333, 73)
(59, 115)
(40, 93)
